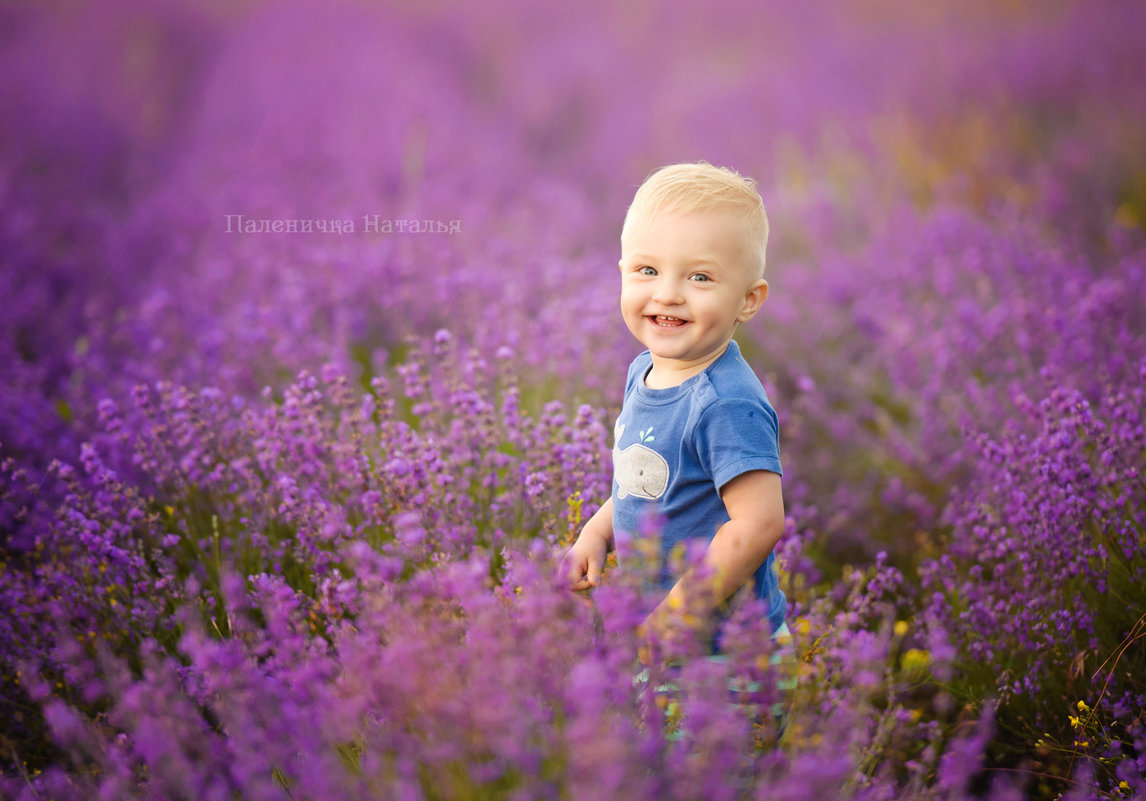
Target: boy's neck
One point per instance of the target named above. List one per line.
(668, 373)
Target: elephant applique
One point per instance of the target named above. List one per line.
(639, 470)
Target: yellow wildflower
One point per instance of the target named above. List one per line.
(916, 658)
(1082, 707)
(574, 503)
(901, 628)
(1075, 722)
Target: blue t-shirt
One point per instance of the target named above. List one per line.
(675, 448)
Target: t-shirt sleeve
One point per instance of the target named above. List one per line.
(736, 435)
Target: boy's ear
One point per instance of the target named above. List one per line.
(753, 299)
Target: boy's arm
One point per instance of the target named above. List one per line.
(755, 507)
(583, 563)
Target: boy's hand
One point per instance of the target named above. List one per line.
(583, 562)
(644, 647)
(663, 633)
(652, 637)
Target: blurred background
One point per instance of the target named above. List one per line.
(222, 195)
(918, 161)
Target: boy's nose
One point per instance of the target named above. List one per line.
(668, 292)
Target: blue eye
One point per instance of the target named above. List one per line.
(646, 271)
(701, 277)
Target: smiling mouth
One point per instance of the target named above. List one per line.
(666, 321)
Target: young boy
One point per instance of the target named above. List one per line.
(696, 441)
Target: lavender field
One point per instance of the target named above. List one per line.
(310, 351)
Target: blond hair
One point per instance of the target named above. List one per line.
(696, 188)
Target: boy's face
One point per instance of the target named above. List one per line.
(686, 283)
